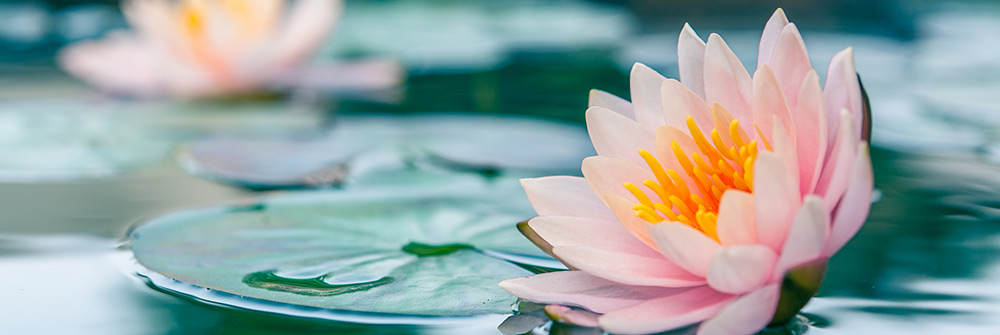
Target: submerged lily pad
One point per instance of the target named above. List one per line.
(73, 136)
(380, 249)
(488, 144)
(62, 142)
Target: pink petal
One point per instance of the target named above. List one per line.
(735, 222)
(596, 233)
(726, 80)
(790, 63)
(348, 76)
(607, 100)
(625, 268)
(807, 237)
(684, 246)
(564, 196)
(666, 313)
(617, 136)
(769, 103)
(785, 148)
(691, 60)
(811, 137)
(746, 315)
(572, 316)
(577, 288)
(606, 175)
(306, 28)
(837, 168)
(679, 103)
(120, 63)
(626, 215)
(776, 197)
(842, 91)
(853, 208)
(645, 88)
(769, 38)
(741, 269)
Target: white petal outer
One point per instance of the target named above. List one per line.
(607, 234)
(853, 208)
(811, 127)
(735, 222)
(842, 91)
(571, 316)
(776, 197)
(645, 88)
(768, 39)
(691, 60)
(684, 246)
(666, 313)
(564, 196)
(741, 269)
(577, 288)
(748, 314)
(837, 168)
(122, 63)
(679, 102)
(807, 237)
(305, 29)
(628, 269)
(617, 136)
(726, 80)
(790, 63)
(610, 101)
(368, 74)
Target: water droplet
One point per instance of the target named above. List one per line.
(316, 286)
(422, 250)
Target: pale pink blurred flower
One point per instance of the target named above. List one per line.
(707, 192)
(202, 48)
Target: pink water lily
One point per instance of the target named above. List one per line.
(200, 48)
(706, 192)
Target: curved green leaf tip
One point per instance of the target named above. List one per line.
(423, 250)
(316, 286)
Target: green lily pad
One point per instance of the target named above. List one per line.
(432, 251)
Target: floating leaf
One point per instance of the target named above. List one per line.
(64, 143)
(381, 249)
(450, 36)
(359, 145)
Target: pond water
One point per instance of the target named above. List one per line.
(78, 170)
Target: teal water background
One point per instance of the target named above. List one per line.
(926, 262)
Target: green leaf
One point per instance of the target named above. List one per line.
(382, 249)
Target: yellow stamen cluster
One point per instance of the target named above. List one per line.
(712, 169)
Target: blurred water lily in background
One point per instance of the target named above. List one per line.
(197, 48)
(707, 192)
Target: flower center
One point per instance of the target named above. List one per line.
(725, 162)
(250, 20)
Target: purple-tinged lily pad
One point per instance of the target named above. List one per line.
(366, 145)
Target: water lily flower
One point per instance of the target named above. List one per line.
(201, 48)
(714, 200)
